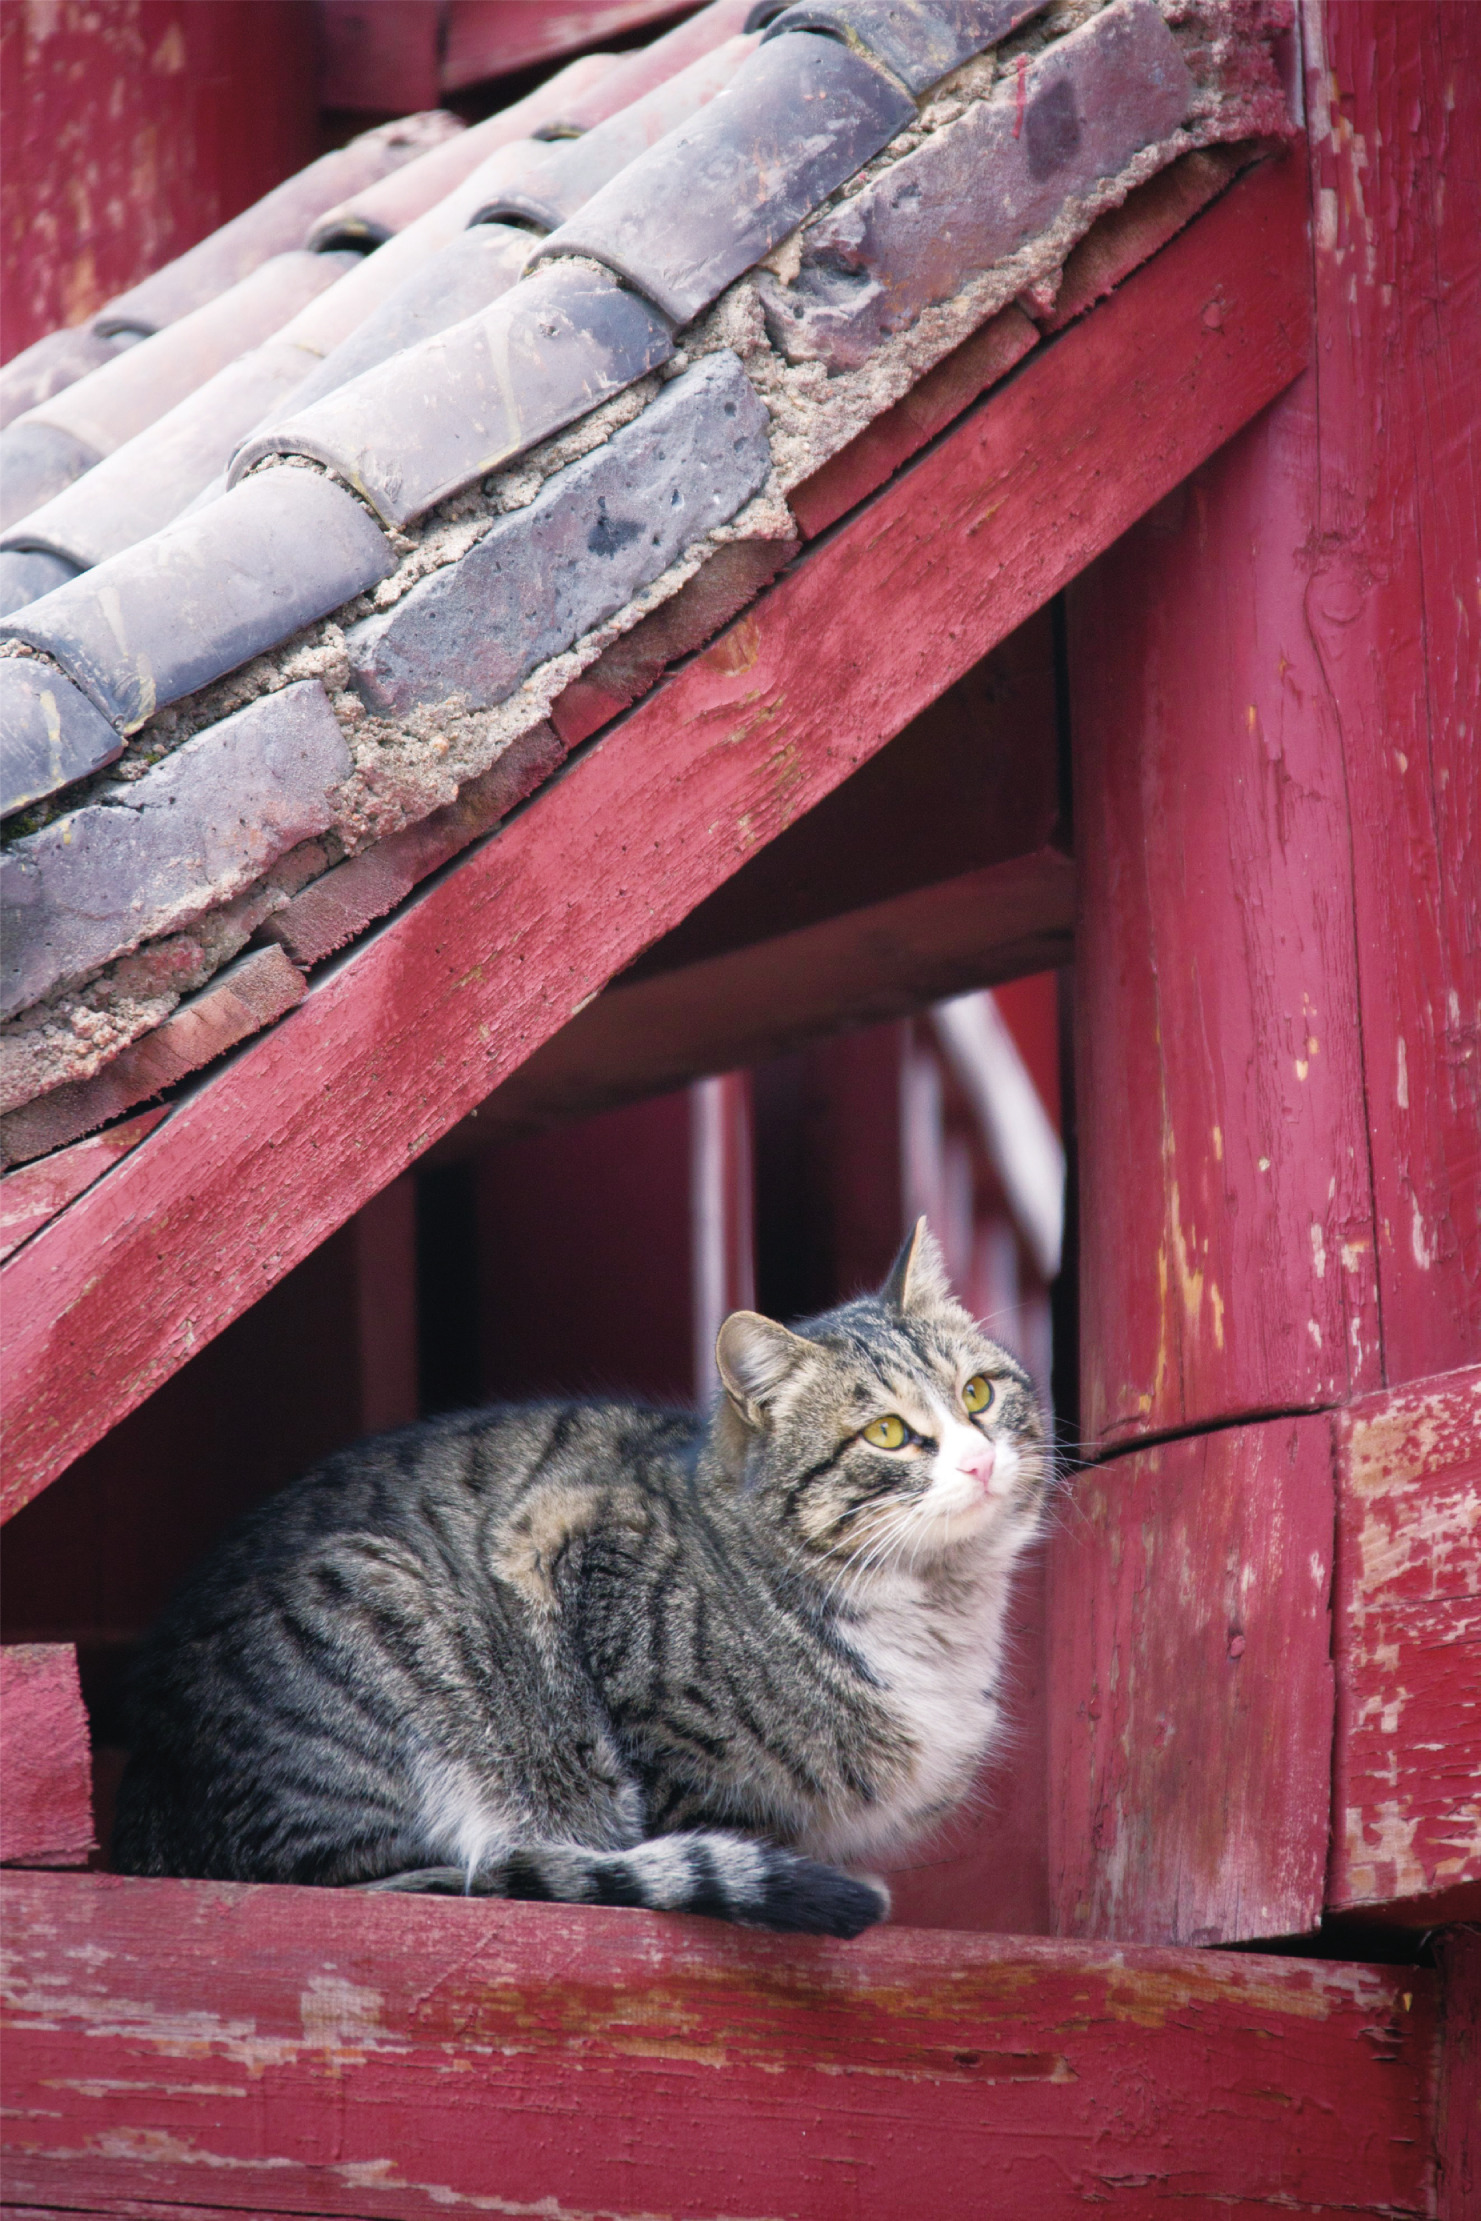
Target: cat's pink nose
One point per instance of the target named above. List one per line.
(977, 1463)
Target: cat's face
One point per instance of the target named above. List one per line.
(890, 1431)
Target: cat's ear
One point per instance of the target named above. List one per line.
(917, 1279)
(755, 1356)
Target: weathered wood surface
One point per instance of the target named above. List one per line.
(46, 1782)
(1458, 2129)
(1408, 1645)
(755, 1002)
(1392, 612)
(35, 1193)
(1226, 1213)
(422, 1021)
(1191, 1701)
(321, 2053)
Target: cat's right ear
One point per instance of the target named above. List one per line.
(755, 1356)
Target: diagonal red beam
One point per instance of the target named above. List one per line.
(423, 1019)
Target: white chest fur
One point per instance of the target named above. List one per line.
(938, 1670)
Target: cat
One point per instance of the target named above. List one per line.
(606, 1654)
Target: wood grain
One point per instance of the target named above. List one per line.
(423, 1020)
(1408, 1645)
(327, 2053)
(1393, 616)
(46, 1782)
(1191, 1701)
(35, 1193)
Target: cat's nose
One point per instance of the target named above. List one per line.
(977, 1461)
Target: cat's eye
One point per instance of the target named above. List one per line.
(978, 1393)
(889, 1433)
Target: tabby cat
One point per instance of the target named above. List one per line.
(611, 1655)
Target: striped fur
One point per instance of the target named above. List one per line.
(612, 1655)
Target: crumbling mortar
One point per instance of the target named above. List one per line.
(405, 769)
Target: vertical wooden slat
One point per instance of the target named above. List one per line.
(1393, 615)
(722, 1275)
(1191, 1714)
(46, 1784)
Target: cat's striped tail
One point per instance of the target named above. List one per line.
(729, 1877)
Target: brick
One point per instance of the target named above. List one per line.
(28, 573)
(599, 531)
(1125, 236)
(456, 406)
(733, 576)
(50, 734)
(195, 830)
(561, 176)
(149, 481)
(349, 898)
(982, 186)
(225, 583)
(278, 223)
(917, 42)
(31, 1197)
(466, 275)
(239, 1002)
(802, 115)
(36, 462)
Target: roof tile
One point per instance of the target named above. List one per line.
(50, 734)
(444, 412)
(918, 41)
(234, 578)
(979, 188)
(28, 573)
(197, 828)
(803, 114)
(598, 532)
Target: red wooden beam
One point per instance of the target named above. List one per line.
(330, 2053)
(1191, 1709)
(46, 1781)
(1408, 1651)
(424, 1019)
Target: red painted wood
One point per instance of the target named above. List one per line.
(421, 1022)
(1226, 1213)
(1191, 1701)
(384, 1278)
(489, 38)
(133, 131)
(32, 1196)
(756, 1002)
(46, 1783)
(380, 57)
(1397, 172)
(1408, 1645)
(337, 2054)
(1458, 2137)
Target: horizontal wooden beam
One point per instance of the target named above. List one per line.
(46, 1775)
(323, 2052)
(1408, 1652)
(880, 962)
(423, 1020)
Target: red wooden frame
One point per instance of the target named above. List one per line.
(421, 1021)
(324, 2052)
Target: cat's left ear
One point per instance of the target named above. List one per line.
(755, 1356)
(917, 1279)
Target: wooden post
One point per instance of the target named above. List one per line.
(1274, 680)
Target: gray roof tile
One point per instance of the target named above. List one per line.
(28, 573)
(918, 41)
(178, 610)
(979, 188)
(458, 405)
(803, 114)
(50, 734)
(200, 826)
(37, 462)
(598, 532)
